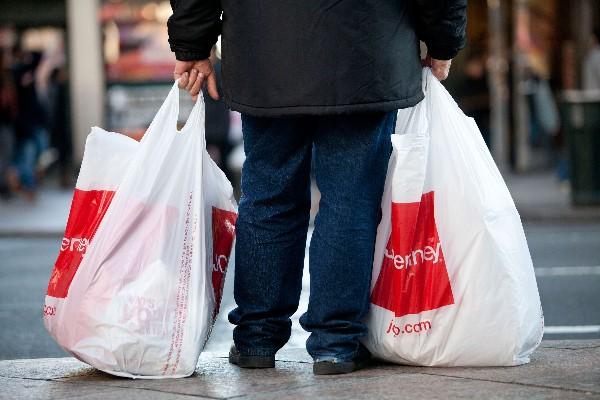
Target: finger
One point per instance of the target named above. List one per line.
(181, 67)
(212, 87)
(195, 89)
(183, 80)
(445, 71)
(440, 69)
(440, 74)
(201, 79)
(192, 80)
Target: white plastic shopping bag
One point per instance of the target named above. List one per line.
(138, 280)
(453, 281)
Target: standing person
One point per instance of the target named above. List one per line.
(8, 114)
(31, 134)
(475, 94)
(60, 129)
(319, 74)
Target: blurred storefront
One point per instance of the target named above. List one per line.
(532, 50)
(521, 55)
(66, 33)
(120, 65)
(35, 128)
(138, 62)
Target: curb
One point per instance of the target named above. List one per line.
(558, 370)
(30, 234)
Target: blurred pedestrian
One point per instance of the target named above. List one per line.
(591, 64)
(544, 119)
(31, 133)
(304, 74)
(60, 127)
(475, 93)
(8, 115)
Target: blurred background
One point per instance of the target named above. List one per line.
(530, 77)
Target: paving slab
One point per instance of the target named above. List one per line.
(26, 389)
(539, 196)
(572, 365)
(559, 370)
(46, 216)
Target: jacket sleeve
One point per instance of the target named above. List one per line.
(441, 25)
(194, 28)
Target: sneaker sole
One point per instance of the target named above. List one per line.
(252, 361)
(330, 368)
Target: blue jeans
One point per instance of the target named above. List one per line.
(351, 154)
(27, 153)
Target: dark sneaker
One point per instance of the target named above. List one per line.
(250, 361)
(334, 367)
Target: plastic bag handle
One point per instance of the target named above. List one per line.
(169, 111)
(426, 75)
(197, 114)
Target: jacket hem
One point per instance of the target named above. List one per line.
(192, 55)
(281, 111)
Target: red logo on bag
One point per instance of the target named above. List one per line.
(223, 231)
(49, 310)
(413, 276)
(87, 210)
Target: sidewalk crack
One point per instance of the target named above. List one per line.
(28, 379)
(515, 383)
(289, 388)
(157, 391)
(102, 384)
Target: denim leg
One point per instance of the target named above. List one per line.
(351, 158)
(25, 161)
(42, 141)
(271, 231)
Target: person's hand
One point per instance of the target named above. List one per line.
(193, 75)
(439, 68)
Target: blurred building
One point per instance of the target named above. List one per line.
(533, 50)
(521, 54)
(119, 62)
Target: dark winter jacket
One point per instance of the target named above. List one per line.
(290, 57)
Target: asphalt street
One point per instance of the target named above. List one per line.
(566, 257)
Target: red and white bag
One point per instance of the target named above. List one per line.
(138, 281)
(453, 281)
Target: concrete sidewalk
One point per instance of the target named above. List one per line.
(46, 216)
(559, 370)
(538, 196)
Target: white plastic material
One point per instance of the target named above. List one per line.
(137, 284)
(453, 281)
